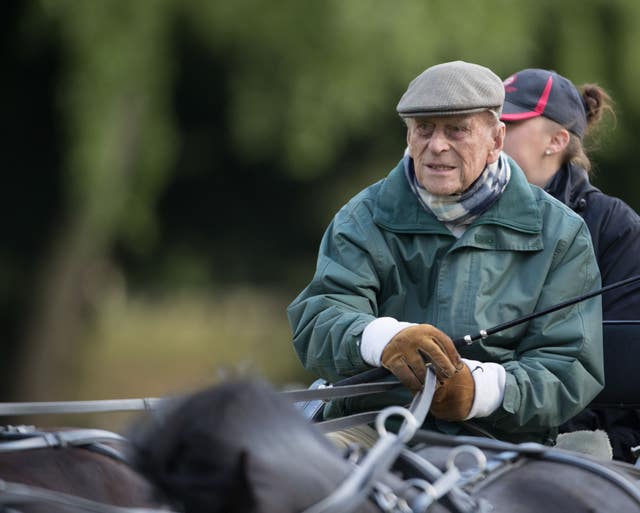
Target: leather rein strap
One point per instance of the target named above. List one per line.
(108, 405)
(323, 393)
(10, 442)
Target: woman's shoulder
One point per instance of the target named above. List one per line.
(610, 212)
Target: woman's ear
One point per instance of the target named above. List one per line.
(559, 140)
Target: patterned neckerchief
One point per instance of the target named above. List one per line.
(462, 209)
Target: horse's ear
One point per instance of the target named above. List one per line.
(242, 496)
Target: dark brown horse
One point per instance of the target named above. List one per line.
(239, 448)
(242, 447)
(236, 447)
(83, 463)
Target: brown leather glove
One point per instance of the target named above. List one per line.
(409, 352)
(407, 356)
(454, 397)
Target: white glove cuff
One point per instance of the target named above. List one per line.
(489, 379)
(377, 335)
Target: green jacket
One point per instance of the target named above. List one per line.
(384, 255)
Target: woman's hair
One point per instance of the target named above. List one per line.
(596, 103)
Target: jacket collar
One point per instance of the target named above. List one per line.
(397, 208)
(571, 185)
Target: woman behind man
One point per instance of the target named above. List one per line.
(547, 119)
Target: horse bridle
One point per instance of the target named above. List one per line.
(363, 482)
(21, 438)
(24, 438)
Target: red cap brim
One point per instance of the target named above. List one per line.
(519, 116)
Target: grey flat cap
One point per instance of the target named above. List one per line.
(451, 88)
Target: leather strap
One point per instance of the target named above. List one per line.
(72, 437)
(109, 405)
(112, 405)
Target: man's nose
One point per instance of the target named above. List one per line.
(438, 142)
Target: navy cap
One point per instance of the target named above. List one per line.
(539, 92)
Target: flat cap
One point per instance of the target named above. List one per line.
(451, 88)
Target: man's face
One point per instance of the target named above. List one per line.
(450, 152)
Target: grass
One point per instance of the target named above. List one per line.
(140, 347)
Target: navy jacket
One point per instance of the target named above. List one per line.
(615, 232)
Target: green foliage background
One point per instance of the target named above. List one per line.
(194, 151)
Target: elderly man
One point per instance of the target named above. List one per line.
(453, 240)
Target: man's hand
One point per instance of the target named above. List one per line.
(413, 348)
(407, 356)
(453, 398)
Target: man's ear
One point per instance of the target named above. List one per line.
(498, 142)
(408, 122)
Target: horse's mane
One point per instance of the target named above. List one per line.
(237, 447)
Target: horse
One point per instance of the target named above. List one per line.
(241, 446)
(79, 463)
(201, 452)
(238, 447)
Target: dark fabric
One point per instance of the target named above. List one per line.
(615, 231)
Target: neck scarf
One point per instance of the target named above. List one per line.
(464, 208)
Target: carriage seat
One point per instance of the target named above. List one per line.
(621, 341)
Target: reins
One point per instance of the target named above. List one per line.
(322, 393)
(10, 442)
(379, 459)
(106, 405)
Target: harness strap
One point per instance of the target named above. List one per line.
(355, 489)
(540, 451)
(460, 501)
(73, 437)
(325, 392)
(108, 405)
(334, 392)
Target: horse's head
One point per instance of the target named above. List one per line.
(238, 447)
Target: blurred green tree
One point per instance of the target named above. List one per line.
(199, 143)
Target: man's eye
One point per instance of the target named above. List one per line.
(457, 131)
